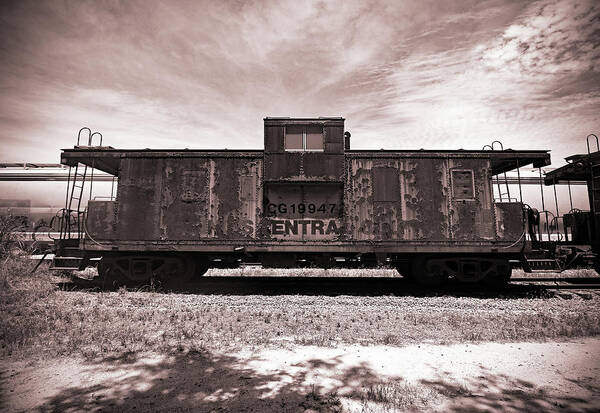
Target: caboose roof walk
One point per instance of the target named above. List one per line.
(107, 159)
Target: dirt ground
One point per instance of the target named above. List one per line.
(550, 376)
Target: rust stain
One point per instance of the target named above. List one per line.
(473, 217)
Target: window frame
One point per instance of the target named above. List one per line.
(304, 134)
(458, 197)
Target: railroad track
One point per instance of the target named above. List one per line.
(564, 283)
(561, 287)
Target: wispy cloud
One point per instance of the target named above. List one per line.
(204, 74)
(535, 84)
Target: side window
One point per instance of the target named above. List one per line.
(314, 138)
(294, 136)
(463, 186)
(304, 138)
(386, 186)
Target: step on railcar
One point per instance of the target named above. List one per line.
(307, 199)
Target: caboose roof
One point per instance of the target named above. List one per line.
(502, 161)
(107, 159)
(576, 169)
(323, 120)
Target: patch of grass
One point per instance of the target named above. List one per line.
(92, 323)
(396, 395)
(18, 284)
(317, 402)
(19, 294)
(38, 318)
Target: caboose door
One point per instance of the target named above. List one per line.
(304, 212)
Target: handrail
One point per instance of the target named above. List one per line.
(92, 137)
(587, 141)
(79, 134)
(492, 147)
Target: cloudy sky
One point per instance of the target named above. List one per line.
(405, 74)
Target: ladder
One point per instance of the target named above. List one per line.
(67, 255)
(73, 202)
(594, 185)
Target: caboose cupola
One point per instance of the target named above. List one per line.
(304, 149)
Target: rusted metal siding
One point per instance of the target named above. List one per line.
(235, 193)
(184, 202)
(186, 199)
(334, 139)
(471, 212)
(283, 166)
(101, 220)
(413, 207)
(274, 139)
(387, 209)
(304, 166)
(510, 224)
(426, 198)
(140, 198)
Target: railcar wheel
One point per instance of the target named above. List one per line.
(110, 279)
(498, 274)
(172, 272)
(597, 265)
(429, 272)
(200, 269)
(405, 270)
(137, 270)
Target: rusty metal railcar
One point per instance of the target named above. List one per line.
(306, 199)
(580, 228)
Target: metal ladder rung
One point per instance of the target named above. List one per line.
(71, 215)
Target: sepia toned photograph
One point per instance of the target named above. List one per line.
(299, 206)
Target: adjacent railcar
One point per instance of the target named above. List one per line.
(306, 199)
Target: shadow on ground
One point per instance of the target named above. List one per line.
(333, 286)
(197, 381)
(499, 392)
(204, 382)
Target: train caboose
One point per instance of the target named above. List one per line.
(306, 199)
